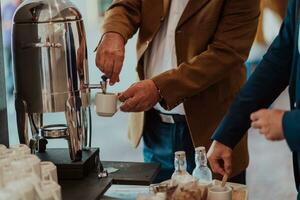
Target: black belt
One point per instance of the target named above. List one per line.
(167, 118)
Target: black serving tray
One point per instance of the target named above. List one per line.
(133, 173)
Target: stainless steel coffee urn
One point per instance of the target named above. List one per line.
(51, 74)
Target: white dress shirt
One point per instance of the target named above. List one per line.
(161, 55)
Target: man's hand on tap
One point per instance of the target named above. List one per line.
(110, 56)
(141, 96)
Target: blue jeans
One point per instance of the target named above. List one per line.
(162, 140)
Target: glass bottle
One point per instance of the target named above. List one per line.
(180, 175)
(202, 172)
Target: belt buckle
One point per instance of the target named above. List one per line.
(167, 119)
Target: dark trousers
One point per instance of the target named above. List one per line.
(162, 140)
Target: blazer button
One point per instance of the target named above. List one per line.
(295, 105)
(162, 19)
(179, 31)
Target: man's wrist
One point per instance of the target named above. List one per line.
(105, 34)
(160, 97)
(281, 121)
(110, 33)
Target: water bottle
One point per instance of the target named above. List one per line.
(180, 175)
(201, 172)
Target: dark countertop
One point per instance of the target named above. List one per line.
(91, 188)
(132, 173)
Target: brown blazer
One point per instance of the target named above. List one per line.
(213, 39)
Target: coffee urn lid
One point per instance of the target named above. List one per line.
(45, 11)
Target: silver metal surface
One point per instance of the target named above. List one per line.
(36, 122)
(102, 85)
(51, 71)
(87, 128)
(22, 121)
(94, 86)
(101, 172)
(46, 74)
(55, 131)
(43, 11)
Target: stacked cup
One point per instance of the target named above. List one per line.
(2, 148)
(24, 176)
(49, 171)
(49, 190)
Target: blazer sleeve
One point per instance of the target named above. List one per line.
(229, 48)
(267, 82)
(123, 17)
(291, 128)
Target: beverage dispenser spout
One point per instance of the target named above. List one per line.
(102, 85)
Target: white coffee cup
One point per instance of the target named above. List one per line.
(205, 184)
(4, 165)
(24, 186)
(8, 194)
(48, 190)
(218, 192)
(1, 179)
(106, 104)
(49, 171)
(8, 153)
(21, 149)
(2, 149)
(8, 175)
(27, 164)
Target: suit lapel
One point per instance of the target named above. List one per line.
(192, 8)
(166, 5)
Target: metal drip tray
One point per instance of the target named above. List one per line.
(55, 131)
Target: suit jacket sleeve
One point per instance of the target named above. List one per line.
(229, 48)
(269, 79)
(291, 128)
(123, 17)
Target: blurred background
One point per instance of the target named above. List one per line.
(270, 174)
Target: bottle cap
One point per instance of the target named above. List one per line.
(180, 154)
(200, 149)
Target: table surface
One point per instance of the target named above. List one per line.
(125, 192)
(89, 188)
(131, 192)
(138, 175)
(132, 173)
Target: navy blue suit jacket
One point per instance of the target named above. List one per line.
(279, 68)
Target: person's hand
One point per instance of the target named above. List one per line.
(110, 56)
(219, 157)
(141, 96)
(269, 123)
